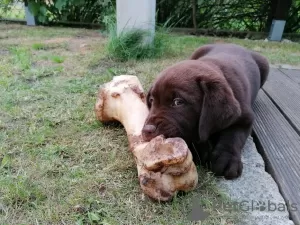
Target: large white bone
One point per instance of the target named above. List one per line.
(164, 166)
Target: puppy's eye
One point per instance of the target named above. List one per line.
(151, 100)
(177, 102)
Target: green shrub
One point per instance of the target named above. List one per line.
(133, 45)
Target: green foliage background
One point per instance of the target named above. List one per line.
(239, 15)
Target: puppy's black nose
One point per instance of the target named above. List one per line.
(148, 131)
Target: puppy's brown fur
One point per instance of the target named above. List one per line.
(209, 98)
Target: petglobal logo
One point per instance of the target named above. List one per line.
(267, 206)
(198, 212)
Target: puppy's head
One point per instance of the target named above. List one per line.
(190, 100)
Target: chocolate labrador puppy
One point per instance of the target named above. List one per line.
(208, 99)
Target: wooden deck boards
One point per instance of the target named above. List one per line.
(292, 74)
(285, 94)
(277, 130)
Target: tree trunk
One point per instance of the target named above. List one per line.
(282, 10)
(194, 7)
(272, 10)
(279, 10)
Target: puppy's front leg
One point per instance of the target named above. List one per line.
(226, 156)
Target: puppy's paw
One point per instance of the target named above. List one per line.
(227, 164)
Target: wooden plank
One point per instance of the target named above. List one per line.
(292, 74)
(281, 148)
(286, 95)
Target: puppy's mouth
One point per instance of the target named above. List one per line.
(166, 131)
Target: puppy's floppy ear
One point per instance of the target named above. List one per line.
(263, 66)
(200, 52)
(219, 108)
(148, 98)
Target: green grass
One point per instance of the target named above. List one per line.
(57, 59)
(39, 46)
(133, 45)
(48, 46)
(58, 165)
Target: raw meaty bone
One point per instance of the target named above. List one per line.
(164, 166)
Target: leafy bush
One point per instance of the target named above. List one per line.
(88, 11)
(10, 9)
(242, 15)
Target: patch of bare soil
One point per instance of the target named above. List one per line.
(56, 40)
(42, 63)
(4, 52)
(81, 43)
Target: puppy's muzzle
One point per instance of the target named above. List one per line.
(148, 132)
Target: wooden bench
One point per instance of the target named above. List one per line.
(277, 133)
